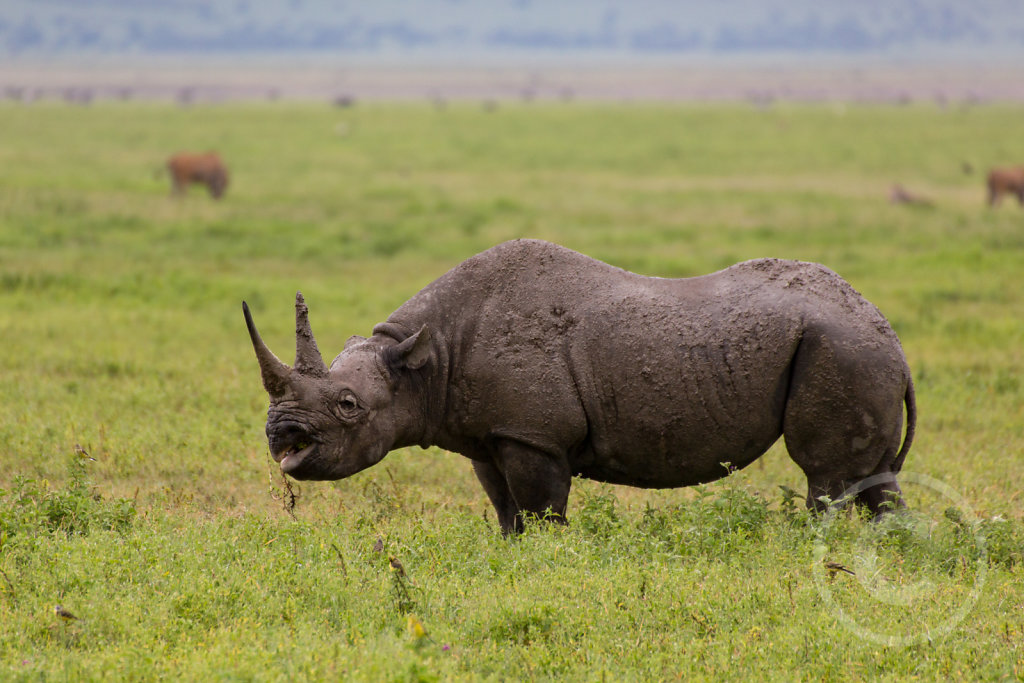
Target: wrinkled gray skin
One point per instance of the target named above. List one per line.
(540, 364)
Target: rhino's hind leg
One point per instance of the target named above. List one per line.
(881, 497)
(822, 493)
(879, 493)
(843, 424)
(841, 467)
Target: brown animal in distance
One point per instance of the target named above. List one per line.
(900, 195)
(205, 168)
(1002, 181)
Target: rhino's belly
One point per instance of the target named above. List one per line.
(689, 445)
(653, 465)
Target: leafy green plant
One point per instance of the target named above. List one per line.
(596, 514)
(721, 520)
(522, 626)
(1003, 541)
(77, 507)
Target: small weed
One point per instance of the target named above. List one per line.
(283, 492)
(383, 504)
(596, 514)
(400, 584)
(522, 626)
(1004, 541)
(720, 521)
(704, 625)
(76, 508)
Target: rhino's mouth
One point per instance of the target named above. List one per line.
(292, 457)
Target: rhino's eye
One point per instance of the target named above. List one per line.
(348, 406)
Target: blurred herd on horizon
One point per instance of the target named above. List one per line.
(575, 30)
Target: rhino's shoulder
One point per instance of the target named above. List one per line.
(529, 251)
(529, 259)
(776, 267)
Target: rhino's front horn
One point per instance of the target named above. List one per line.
(308, 360)
(274, 372)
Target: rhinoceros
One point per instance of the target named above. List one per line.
(540, 364)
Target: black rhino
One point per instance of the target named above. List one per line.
(539, 364)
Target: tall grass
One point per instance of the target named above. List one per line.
(121, 332)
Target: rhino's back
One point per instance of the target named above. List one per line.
(524, 276)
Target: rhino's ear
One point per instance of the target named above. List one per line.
(413, 353)
(353, 340)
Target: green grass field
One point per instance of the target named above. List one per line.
(121, 330)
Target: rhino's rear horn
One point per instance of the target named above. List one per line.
(308, 360)
(274, 372)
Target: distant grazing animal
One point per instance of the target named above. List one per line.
(899, 195)
(539, 364)
(205, 168)
(1005, 181)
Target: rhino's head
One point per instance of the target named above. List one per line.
(329, 423)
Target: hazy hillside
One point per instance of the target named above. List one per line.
(450, 29)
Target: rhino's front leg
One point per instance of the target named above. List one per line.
(537, 481)
(497, 490)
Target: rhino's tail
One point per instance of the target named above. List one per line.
(911, 403)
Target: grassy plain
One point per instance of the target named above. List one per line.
(121, 330)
